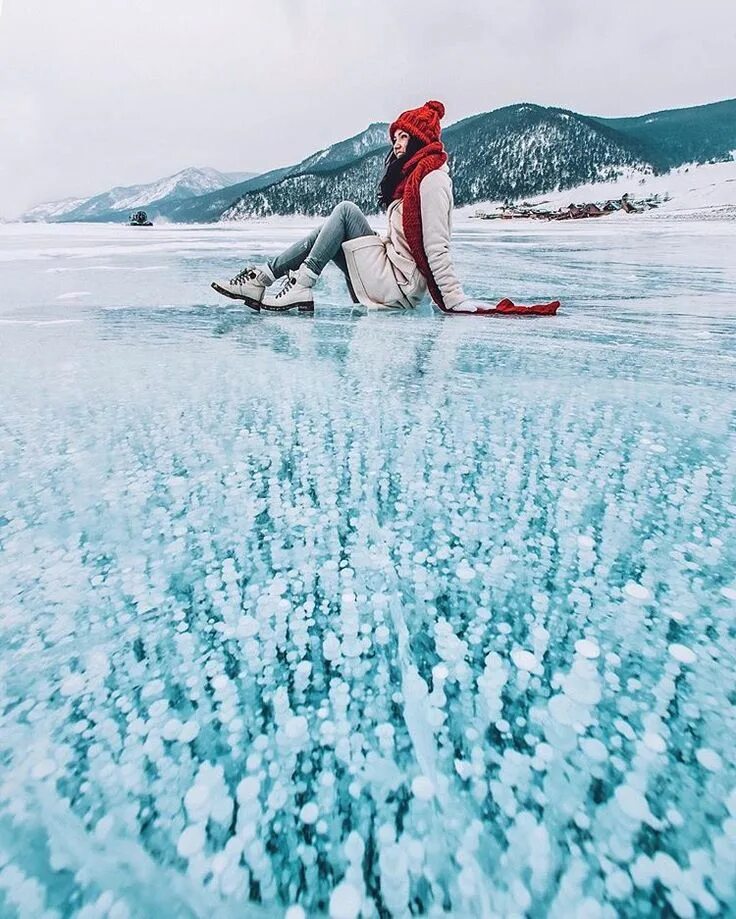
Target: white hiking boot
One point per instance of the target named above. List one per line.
(249, 285)
(295, 294)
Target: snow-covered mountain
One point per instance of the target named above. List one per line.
(53, 209)
(206, 208)
(117, 203)
(374, 137)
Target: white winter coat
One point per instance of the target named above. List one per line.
(382, 270)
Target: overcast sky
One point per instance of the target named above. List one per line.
(96, 93)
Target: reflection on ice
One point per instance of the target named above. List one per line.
(379, 615)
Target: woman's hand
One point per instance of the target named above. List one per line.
(470, 306)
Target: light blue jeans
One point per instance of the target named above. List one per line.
(324, 243)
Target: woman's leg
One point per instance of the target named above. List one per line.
(291, 258)
(324, 243)
(346, 221)
(310, 255)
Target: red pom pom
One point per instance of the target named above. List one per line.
(437, 107)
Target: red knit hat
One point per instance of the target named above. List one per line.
(423, 122)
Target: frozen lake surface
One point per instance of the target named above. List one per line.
(405, 614)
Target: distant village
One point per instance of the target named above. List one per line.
(573, 211)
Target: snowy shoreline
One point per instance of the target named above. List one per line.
(690, 192)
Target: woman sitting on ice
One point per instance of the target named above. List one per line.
(395, 270)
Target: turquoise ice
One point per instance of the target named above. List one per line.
(378, 615)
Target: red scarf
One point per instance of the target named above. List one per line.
(424, 161)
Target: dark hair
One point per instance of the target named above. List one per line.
(392, 171)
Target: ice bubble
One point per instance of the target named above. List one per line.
(465, 571)
(303, 671)
(709, 759)
(172, 729)
(422, 788)
(594, 749)
(73, 684)
(152, 689)
(440, 672)
(654, 742)
(667, 869)
(540, 635)
(618, 884)
(197, 802)
(189, 731)
(309, 813)
(222, 809)
(637, 591)
(729, 592)
(524, 660)
(585, 543)
(158, 708)
(354, 847)
(345, 902)
(681, 905)
(564, 710)
(624, 728)
(632, 802)
(587, 648)
(297, 727)
(43, 769)
(642, 871)
(295, 912)
(248, 789)
(191, 841)
(247, 627)
(351, 646)
(382, 635)
(582, 684)
(682, 653)
(278, 796)
(385, 733)
(331, 647)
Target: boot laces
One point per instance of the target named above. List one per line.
(289, 282)
(247, 274)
